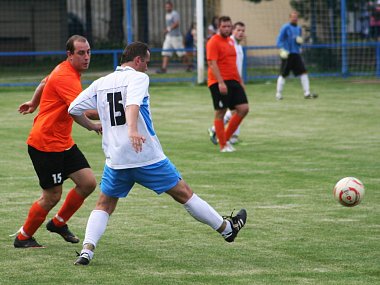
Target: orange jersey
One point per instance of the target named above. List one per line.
(51, 131)
(223, 51)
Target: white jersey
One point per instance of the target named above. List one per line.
(239, 56)
(110, 95)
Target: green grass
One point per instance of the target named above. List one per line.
(292, 154)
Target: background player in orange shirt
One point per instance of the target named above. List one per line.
(52, 150)
(225, 83)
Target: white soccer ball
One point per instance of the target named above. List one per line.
(349, 191)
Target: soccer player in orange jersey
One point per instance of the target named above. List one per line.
(54, 154)
(225, 83)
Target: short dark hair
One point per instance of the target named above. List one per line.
(70, 42)
(224, 19)
(133, 50)
(241, 24)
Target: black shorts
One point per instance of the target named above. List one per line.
(235, 95)
(293, 63)
(53, 168)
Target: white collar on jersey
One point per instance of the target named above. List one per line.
(120, 68)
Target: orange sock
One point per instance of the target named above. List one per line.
(233, 125)
(36, 217)
(72, 203)
(219, 130)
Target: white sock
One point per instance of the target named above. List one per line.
(280, 84)
(227, 117)
(203, 212)
(237, 132)
(227, 230)
(305, 84)
(89, 252)
(96, 226)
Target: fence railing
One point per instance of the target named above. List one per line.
(261, 62)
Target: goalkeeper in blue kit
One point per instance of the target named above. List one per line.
(289, 42)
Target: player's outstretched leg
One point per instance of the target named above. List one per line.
(237, 223)
(228, 227)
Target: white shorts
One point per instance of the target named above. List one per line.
(171, 42)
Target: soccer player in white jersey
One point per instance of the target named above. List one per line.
(238, 34)
(133, 151)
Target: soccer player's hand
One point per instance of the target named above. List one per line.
(98, 128)
(26, 108)
(299, 40)
(284, 53)
(137, 140)
(223, 88)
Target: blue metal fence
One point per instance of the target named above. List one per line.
(250, 65)
(261, 62)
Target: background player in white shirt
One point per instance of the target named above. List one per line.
(133, 151)
(173, 37)
(238, 34)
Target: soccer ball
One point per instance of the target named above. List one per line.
(349, 191)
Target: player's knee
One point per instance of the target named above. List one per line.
(106, 204)
(49, 200)
(181, 192)
(91, 185)
(242, 111)
(86, 186)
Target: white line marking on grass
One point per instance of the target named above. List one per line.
(290, 195)
(18, 177)
(339, 220)
(286, 206)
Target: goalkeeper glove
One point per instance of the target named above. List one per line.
(299, 40)
(284, 53)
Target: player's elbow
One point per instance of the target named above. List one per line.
(92, 114)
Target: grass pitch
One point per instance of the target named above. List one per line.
(291, 155)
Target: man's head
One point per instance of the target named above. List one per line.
(137, 56)
(78, 52)
(239, 31)
(293, 17)
(168, 6)
(225, 26)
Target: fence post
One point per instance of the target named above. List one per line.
(344, 38)
(378, 59)
(245, 73)
(128, 20)
(115, 59)
(200, 42)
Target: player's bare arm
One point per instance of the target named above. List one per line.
(132, 113)
(92, 114)
(215, 70)
(30, 106)
(88, 124)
